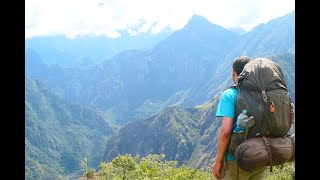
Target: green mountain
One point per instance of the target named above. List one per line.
(59, 135)
(174, 131)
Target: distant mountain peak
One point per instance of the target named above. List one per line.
(196, 17)
(197, 20)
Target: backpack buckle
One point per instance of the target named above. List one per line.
(264, 96)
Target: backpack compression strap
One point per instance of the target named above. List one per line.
(267, 143)
(231, 86)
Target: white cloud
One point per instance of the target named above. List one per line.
(108, 17)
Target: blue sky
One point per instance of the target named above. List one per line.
(108, 17)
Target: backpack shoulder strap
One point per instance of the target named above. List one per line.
(231, 86)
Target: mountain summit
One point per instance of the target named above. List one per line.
(197, 20)
(200, 23)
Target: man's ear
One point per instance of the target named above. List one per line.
(234, 74)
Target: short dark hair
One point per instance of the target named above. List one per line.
(239, 63)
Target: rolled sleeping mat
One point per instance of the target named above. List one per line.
(253, 153)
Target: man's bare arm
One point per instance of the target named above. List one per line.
(224, 136)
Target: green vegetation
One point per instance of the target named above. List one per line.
(153, 166)
(90, 173)
(281, 172)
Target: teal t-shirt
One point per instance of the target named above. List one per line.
(227, 107)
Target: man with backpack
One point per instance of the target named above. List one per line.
(225, 166)
(260, 139)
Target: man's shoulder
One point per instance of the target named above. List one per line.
(230, 91)
(229, 94)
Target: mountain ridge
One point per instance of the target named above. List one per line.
(58, 134)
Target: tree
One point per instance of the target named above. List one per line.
(125, 164)
(90, 173)
(155, 165)
(84, 166)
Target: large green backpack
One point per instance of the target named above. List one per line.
(262, 91)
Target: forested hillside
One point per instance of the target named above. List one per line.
(59, 135)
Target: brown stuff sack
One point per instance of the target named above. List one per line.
(253, 153)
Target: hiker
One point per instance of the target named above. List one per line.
(225, 165)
